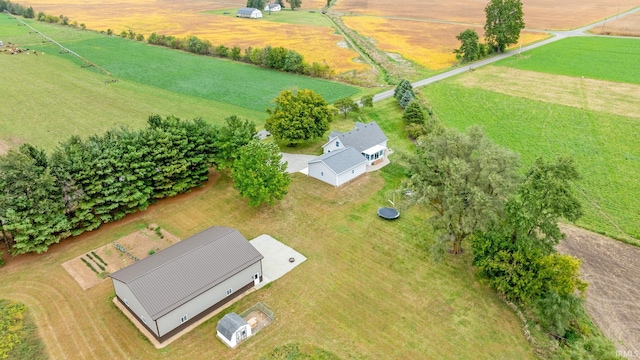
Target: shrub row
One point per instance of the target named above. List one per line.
(277, 58)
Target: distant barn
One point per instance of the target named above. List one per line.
(249, 13)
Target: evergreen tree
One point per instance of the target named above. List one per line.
(31, 206)
(414, 114)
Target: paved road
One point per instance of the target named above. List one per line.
(557, 35)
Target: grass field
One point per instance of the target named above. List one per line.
(603, 145)
(612, 59)
(367, 291)
(152, 80)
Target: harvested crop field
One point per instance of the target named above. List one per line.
(598, 95)
(626, 26)
(429, 44)
(612, 270)
(539, 14)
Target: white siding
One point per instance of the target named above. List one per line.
(233, 342)
(210, 297)
(321, 171)
(123, 292)
(333, 145)
(351, 174)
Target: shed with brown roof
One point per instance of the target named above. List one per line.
(179, 285)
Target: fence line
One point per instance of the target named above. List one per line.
(57, 43)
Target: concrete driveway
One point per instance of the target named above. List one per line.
(277, 257)
(296, 162)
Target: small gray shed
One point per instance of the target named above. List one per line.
(232, 329)
(181, 284)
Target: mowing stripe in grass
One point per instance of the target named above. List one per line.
(613, 59)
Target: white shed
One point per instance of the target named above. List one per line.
(168, 291)
(249, 13)
(338, 167)
(232, 329)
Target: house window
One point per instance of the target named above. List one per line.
(337, 143)
(229, 291)
(183, 319)
(126, 302)
(143, 319)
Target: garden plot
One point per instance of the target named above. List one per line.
(92, 268)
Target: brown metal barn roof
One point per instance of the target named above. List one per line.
(179, 273)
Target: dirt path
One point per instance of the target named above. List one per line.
(612, 270)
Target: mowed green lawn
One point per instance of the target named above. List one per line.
(368, 289)
(613, 59)
(47, 98)
(604, 146)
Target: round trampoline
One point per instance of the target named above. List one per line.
(388, 213)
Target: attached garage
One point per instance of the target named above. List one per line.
(169, 290)
(338, 167)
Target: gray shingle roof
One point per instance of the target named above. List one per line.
(245, 11)
(229, 324)
(362, 137)
(341, 160)
(179, 273)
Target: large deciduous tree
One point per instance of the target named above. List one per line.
(470, 48)
(346, 105)
(259, 175)
(295, 4)
(464, 178)
(258, 4)
(298, 117)
(517, 254)
(505, 20)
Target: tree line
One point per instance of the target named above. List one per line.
(17, 9)
(474, 191)
(277, 58)
(85, 183)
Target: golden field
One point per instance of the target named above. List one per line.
(423, 34)
(426, 43)
(316, 43)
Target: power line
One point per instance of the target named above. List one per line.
(60, 45)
